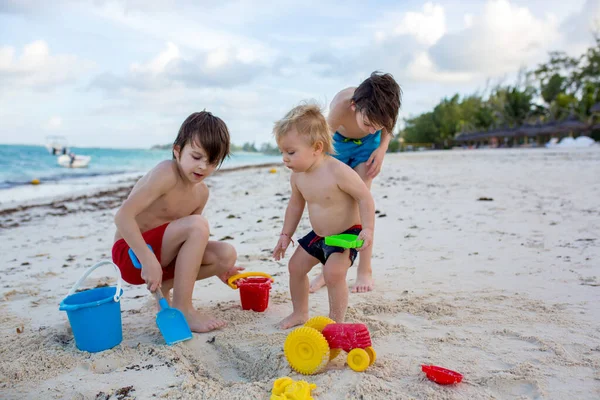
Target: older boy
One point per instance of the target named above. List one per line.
(363, 120)
(164, 211)
(338, 201)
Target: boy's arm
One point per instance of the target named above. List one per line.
(160, 180)
(350, 182)
(293, 214)
(294, 210)
(375, 161)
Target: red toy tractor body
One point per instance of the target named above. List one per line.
(347, 336)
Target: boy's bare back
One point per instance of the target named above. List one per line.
(331, 209)
(167, 196)
(342, 118)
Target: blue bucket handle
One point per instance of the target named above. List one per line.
(117, 295)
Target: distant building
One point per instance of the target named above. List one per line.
(528, 135)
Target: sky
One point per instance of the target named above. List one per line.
(126, 73)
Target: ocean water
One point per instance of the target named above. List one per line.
(20, 164)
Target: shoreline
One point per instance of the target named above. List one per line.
(112, 194)
(78, 186)
(126, 181)
(100, 198)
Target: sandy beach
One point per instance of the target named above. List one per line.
(486, 262)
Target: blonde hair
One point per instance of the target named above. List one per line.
(309, 122)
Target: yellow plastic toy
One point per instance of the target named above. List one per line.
(309, 348)
(272, 170)
(319, 323)
(286, 389)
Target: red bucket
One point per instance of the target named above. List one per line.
(254, 293)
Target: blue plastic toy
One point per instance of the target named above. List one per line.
(95, 314)
(134, 259)
(170, 321)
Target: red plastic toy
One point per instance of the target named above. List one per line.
(254, 291)
(441, 375)
(347, 336)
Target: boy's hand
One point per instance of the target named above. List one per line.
(231, 272)
(152, 274)
(375, 162)
(281, 247)
(367, 236)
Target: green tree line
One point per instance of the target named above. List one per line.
(563, 87)
(265, 148)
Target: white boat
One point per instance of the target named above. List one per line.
(73, 161)
(57, 145)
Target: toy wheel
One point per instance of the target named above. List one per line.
(307, 350)
(358, 360)
(319, 323)
(372, 355)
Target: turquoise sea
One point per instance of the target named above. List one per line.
(20, 164)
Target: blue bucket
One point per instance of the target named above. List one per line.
(95, 314)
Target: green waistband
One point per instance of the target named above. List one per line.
(355, 141)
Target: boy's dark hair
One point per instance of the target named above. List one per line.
(208, 131)
(379, 97)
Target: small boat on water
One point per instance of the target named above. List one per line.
(73, 161)
(58, 146)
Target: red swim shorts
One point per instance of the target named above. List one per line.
(131, 274)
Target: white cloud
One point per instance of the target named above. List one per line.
(397, 46)
(423, 69)
(54, 123)
(223, 67)
(199, 28)
(427, 26)
(502, 39)
(158, 64)
(37, 68)
(468, 19)
(17, 6)
(246, 111)
(580, 26)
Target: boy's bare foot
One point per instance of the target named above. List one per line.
(364, 283)
(316, 283)
(292, 320)
(202, 322)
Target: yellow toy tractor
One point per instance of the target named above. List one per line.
(309, 348)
